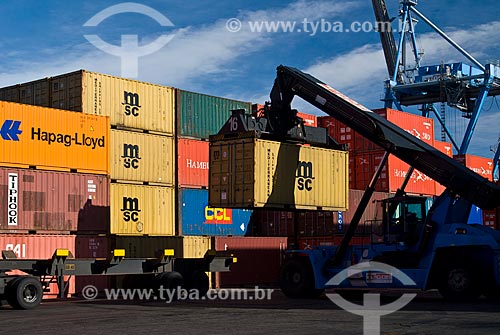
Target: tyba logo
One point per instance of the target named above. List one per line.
(131, 103)
(304, 176)
(130, 209)
(218, 215)
(131, 156)
(10, 130)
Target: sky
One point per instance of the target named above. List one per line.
(214, 47)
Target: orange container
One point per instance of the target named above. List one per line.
(52, 139)
(447, 149)
(192, 163)
(481, 165)
(309, 119)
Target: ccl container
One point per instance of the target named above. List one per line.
(52, 139)
(200, 115)
(92, 246)
(141, 157)
(196, 217)
(128, 103)
(308, 119)
(192, 163)
(447, 149)
(148, 246)
(250, 172)
(52, 202)
(481, 165)
(259, 260)
(142, 210)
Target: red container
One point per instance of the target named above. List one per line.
(39, 247)
(481, 165)
(272, 223)
(372, 212)
(193, 163)
(259, 260)
(309, 119)
(52, 202)
(92, 246)
(305, 243)
(490, 218)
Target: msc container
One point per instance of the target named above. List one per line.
(128, 103)
(196, 217)
(259, 173)
(52, 202)
(200, 115)
(142, 210)
(141, 157)
(447, 149)
(147, 246)
(192, 163)
(259, 260)
(481, 165)
(52, 139)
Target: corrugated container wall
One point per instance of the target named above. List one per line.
(142, 157)
(481, 165)
(92, 246)
(47, 201)
(53, 139)
(10, 93)
(142, 246)
(142, 210)
(192, 163)
(447, 149)
(309, 119)
(128, 103)
(252, 172)
(200, 115)
(196, 217)
(371, 214)
(259, 260)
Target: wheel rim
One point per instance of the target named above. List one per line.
(30, 293)
(458, 280)
(296, 278)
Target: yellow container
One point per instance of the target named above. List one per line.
(145, 246)
(247, 173)
(51, 139)
(129, 103)
(142, 210)
(141, 157)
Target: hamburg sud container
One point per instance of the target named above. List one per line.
(141, 157)
(142, 210)
(309, 120)
(48, 201)
(447, 149)
(481, 165)
(259, 260)
(250, 172)
(128, 103)
(196, 217)
(192, 163)
(41, 246)
(52, 139)
(200, 115)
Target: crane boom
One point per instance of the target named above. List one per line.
(454, 176)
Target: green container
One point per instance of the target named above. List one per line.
(201, 115)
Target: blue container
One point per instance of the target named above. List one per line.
(197, 218)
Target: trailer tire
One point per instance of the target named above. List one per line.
(24, 292)
(199, 280)
(459, 283)
(297, 280)
(169, 280)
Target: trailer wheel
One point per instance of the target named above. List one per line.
(24, 292)
(297, 279)
(459, 283)
(199, 280)
(169, 280)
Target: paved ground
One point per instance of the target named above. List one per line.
(427, 314)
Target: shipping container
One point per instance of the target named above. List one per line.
(192, 163)
(142, 210)
(200, 115)
(92, 246)
(10, 93)
(141, 157)
(372, 213)
(259, 173)
(52, 139)
(196, 217)
(308, 242)
(259, 260)
(52, 202)
(447, 149)
(308, 119)
(128, 103)
(148, 246)
(483, 166)
(490, 218)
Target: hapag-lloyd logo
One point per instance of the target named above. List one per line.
(82, 139)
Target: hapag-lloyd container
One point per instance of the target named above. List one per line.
(309, 119)
(148, 246)
(48, 201)
(128, 103)
(142, 210)
(192, 163)
(196, 217)
(259, 260)
(481, 165)
(250, 172)
(53, 139)
(447, 149)
(200, 115)
(141, 157)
